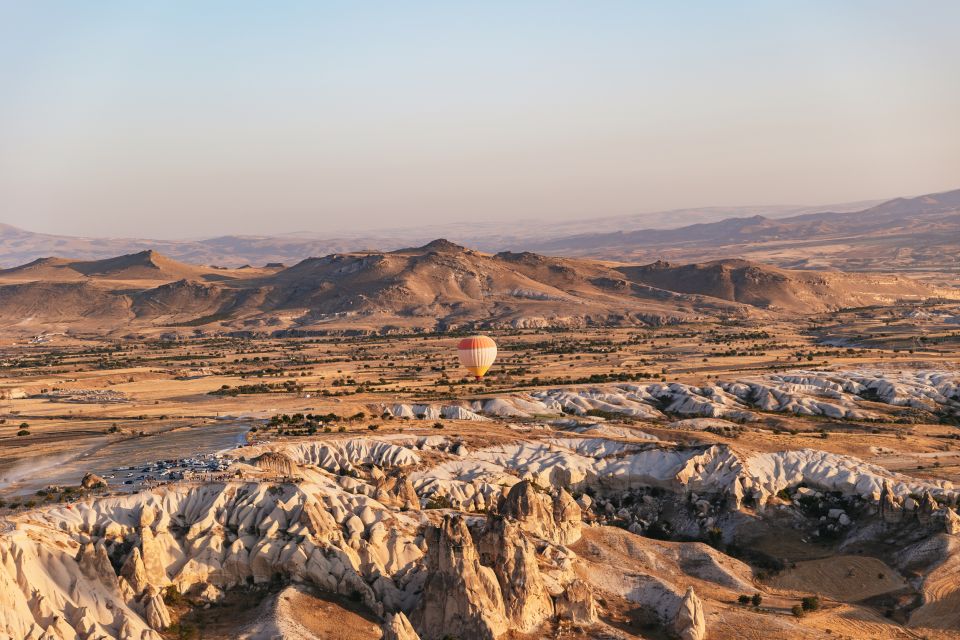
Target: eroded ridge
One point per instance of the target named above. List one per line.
(437, 539)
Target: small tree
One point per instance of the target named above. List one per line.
(757, 599)
(743, 599)
(810, 603)
(798, 611)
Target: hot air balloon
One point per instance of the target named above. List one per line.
(477, 353)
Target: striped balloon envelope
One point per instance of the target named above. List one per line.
(477, 353)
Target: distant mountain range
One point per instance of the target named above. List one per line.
(919, 234)
(18, 246)
(439, 286)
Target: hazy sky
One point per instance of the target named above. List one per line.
(185, 119)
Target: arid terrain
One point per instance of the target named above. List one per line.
(479, 321)
(716, 448)
(440, 286)
(782, 466)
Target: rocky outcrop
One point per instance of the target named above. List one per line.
(690, 623)
(927, 507)
(318, 521)
(276, 463)
(395, 490)
(134, 574)
(576, 604)
(555, 517)
(95, 564)
(461, 597)
(613, 466)
(951, 522)
(397, 627)
(567, 517)
(478, 589)
(432, 412)
(890, 507)
(93, 481)
(344, 456)
(504, 547)
(155, 610)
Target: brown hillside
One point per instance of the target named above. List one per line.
(438, 286)
(772, 288)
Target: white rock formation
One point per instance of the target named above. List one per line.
(352, 525)
(834, 394)
(690, 623)
(398, 627)
(461, 597)
(577, 605)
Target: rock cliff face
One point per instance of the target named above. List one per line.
(155, 610)
(461, 597)
(927, 507)
(609, 466)
(480, 584)
(220, 535)
(277, 463)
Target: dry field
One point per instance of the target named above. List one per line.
(157, 388)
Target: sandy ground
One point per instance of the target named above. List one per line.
(844, 578)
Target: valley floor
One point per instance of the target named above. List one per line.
(605, 483)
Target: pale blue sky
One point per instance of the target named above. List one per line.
(186, 118)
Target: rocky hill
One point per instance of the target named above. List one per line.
(769, 287)
(440, 285)
(144, 265)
